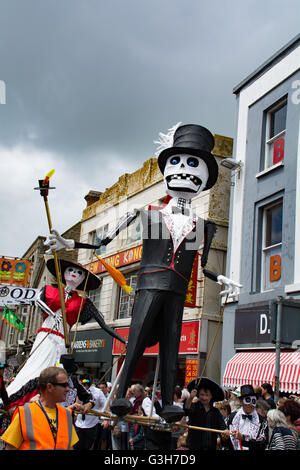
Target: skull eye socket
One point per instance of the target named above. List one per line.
(193, 162)
(175, 160)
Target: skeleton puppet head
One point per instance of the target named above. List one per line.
(188, 166)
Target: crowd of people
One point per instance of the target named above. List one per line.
(61, 416)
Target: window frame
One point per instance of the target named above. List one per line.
(130, 297)
(265, 249)
(267, 140)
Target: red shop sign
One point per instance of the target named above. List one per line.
(188, 340)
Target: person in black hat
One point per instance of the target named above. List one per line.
(201, 412)
(171, 239)
(49, 343)
(247, 429)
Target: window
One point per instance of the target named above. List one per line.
(275, 126)
(126, 300)
(95, 296)
(133, 233)
(97, 236)
(271, 246)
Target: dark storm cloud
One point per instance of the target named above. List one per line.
(93, 82)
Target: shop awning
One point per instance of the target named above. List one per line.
(255, 368)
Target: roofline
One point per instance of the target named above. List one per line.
(266, 65)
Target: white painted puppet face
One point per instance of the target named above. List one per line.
(74, 276)
(185, 176)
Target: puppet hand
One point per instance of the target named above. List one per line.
(56, 242)
(232, 288)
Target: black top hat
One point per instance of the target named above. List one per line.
(92, 283)
(206, 383)
(68, 361)
(246, 391)
(196, 140)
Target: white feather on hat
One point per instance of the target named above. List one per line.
(166, 140)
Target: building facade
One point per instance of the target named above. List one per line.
(264, 235)
(201, 330)
(18, 344)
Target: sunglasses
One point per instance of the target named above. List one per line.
(61, 384)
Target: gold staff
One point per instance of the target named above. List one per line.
(44, 189)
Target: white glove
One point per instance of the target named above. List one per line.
(56, 242)
(232, 288)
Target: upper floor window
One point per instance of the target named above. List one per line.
(126, 300)
(95, 296)
(97, 236)
(271, 245)
(275, 127)
(133, 233)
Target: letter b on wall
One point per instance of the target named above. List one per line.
(275, 268)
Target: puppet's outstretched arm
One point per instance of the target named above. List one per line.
(41, 303)
(89, 311)
(232, 288)
(57, 242)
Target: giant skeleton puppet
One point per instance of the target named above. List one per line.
(49, 344)
(171, 238)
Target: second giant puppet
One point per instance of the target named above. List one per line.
(171, 238)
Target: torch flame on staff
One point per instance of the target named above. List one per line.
(44, 189)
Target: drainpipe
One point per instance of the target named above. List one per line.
(278, 344)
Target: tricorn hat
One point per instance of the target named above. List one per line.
(92, 283)
(195, 140)
(206, 383)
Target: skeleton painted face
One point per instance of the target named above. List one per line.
(185, 176)
(74, 276)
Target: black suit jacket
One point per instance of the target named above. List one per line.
(161, 267)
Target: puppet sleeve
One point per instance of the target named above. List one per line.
(123, 223)
(89, 312)
(210, 230)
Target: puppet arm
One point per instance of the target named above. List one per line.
(89, 311)
(232, 288)
(40, 302)
(57, 242)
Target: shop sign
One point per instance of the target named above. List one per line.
(118, 260)
(92, 346)
(253, 324)
(188, 340)
(191, 370)
(14, 271)
(16, 295)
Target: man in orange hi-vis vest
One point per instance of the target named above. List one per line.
(44, 424)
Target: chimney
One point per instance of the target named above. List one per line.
(92, 197)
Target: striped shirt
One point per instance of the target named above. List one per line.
(282, 439)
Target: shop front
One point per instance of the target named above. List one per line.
(187, 361)
(92, 353)
(266, 338)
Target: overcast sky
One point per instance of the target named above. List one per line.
(89, 84)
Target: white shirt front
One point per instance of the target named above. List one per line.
(178, 224)
(91, 421)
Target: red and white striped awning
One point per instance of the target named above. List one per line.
(256, 368)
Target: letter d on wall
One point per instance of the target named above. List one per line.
(263, 325)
